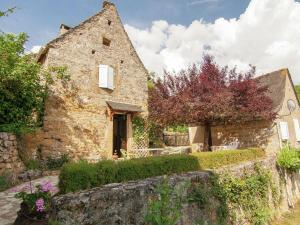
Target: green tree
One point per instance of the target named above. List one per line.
(24, 85)
(7, 12)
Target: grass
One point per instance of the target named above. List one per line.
(291, 218)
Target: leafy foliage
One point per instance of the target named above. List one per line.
(24, 85)
(209, 94)
(297, 87)
(83, 175)
(37, 202)
(33, 164)
(227, 157)
(249, 193)
(289, 159)
(209, 197)
(145, 127)
(166, 208)
(7, 12)
(56, 163)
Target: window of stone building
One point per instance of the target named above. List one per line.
(109, 22)
(106, 77)
(106, 41)
(297, 129)
(284, 130)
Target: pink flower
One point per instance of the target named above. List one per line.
(40, 205)
(47, 186)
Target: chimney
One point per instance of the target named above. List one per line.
(63, 29)
(107, 3)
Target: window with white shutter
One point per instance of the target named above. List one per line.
(297, 129)
(106, 77)
(284, 130)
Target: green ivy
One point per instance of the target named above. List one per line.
(165, 209)
(251, 194)
(234, 198)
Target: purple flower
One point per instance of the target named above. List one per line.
(40, 205)
(47, 186)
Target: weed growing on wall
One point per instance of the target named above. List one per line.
(248, 196)
(210, 197)
(288, 159)
(166, 207)
(238, 199)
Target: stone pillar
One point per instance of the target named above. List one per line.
(196, 137)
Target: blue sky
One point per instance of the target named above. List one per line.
(172, 34)
(41, 18)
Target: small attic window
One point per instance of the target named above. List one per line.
(106, 41)
(109, 22)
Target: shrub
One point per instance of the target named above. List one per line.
(288, 158)
(82, 175)
(33, 164)
(4, 183)
(226, 157)
(56, 163)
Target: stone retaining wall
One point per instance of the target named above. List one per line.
(127, 203)
(9, 158)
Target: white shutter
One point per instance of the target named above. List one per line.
(284, 130)
(106, 77)
(297, 129)
(110, 83)
(103, 76)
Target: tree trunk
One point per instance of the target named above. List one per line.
(207, 137)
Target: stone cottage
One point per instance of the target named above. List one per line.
(270, 136)
(90, 116)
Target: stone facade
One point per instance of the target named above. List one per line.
(126, 203)
(259, 133)
(9, 157)
(77, 119)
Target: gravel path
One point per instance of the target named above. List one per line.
(9, 205)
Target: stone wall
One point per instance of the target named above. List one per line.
(127, 203)
(251, 134)
(9, 158)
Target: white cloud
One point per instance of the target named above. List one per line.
(35, 49)
(266, 35)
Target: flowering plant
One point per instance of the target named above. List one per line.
(36, 201)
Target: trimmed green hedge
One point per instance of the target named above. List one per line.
(209, 160)
(83, 175)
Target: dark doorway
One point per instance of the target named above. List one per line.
(119, 133)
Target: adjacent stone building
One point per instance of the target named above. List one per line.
(90, 116)
(268, 135)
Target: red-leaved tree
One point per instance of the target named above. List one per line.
(209, 95)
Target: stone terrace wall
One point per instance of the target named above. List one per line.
(9, 158)
(127, 203)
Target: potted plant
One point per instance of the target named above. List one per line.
(35, 204)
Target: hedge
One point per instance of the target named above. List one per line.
(209, 160)
(83, 175)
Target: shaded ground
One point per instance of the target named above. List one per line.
(291, 218)
(9, 205)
